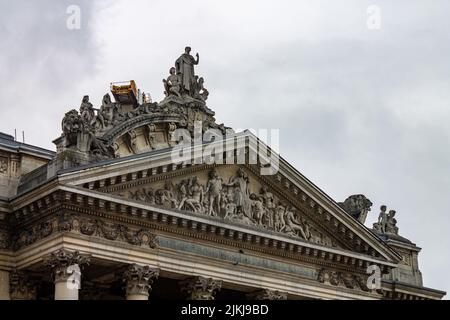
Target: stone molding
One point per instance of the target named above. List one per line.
(267, 294)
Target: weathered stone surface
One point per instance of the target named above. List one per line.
(267, 294)
(139, 279)
(358, 206)
(386, 224)
(60, 262)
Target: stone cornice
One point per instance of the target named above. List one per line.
(402, 291)
(195, 226)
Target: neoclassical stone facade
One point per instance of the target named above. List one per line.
(147, 200)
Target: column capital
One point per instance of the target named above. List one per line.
(60, 261)
(21, 287)
(201, 288)
(267, 294)
(139, 279)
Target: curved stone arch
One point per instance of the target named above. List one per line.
(134, 123)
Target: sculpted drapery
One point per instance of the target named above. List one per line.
(185, 67)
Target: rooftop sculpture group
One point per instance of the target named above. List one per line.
(95, 134)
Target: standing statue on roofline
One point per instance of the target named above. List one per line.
(184, 66)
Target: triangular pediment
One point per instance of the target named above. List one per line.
(285, 203)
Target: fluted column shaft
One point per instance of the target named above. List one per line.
(4, 285)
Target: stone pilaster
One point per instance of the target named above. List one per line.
(21, 287)
(138, 281)
(266, 294)
(200, 288)
(4, 285)
(66, 268)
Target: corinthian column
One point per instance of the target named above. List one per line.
(200, 288)
(266, 294)
(138, 281)
(66, 272)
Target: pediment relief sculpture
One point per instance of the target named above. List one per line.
(229, 193)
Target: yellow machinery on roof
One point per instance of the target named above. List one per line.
(125, 92)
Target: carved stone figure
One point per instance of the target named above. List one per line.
(279, 223)
(172, 84)
(240, 183)
(269, 205)
(3, 165)
(150, 135)
(140, 195)
(185, 68)
(391, 223)
(357, 206)
(130, 140)
(166, 197)
(229, 200)
(21, 286)
(214, 192)
(335, 278)
(230, 207)
(87, 112)
(200, 91)
(71, 126)
(105, 115)
(292, 225)
(269, 200)
(257, 208)
(192, 196)
(380, 225)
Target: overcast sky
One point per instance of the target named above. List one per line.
(359, 110)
